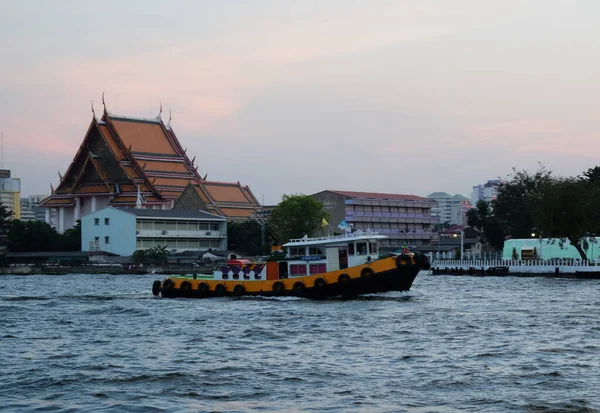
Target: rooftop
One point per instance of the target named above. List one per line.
(379, 195)
(171, 213)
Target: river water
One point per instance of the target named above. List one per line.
(102, 343)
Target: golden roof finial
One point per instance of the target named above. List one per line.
(103, 103)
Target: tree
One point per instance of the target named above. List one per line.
(245, 237)
(71, 238)
(33, 236)
(518, 198)
(158, 255)
(296, 216)
(515, 254)
(566, 210)
(482, 218)
(5, 215)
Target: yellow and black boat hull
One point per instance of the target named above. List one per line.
(389, 274)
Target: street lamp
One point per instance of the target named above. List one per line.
(462, 243)
(533, 234)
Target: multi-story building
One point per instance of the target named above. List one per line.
(488, 191)
(404, 219)
(10, 193)
(124, 230)
(450, 209)
(31, 209)
(135, 162)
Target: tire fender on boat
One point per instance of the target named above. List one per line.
(403, 261)
(156, 287)
(185, 288)
(344, 279)
(220, 290)
(203, 288)
(299, 287)
(168, 284)
(278, 287)
(320, 283)
(367, 273)
(239, 290)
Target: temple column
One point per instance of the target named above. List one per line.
(61, 220)
(48, 216)
(77, 213)
(93, 204)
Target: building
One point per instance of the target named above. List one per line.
(404, 219)
(488, 191)
(548, 248)
(10, 193)
(124, 230)
(31, 209)
(450, 209)
(135, 162)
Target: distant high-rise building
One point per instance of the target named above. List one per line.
(488, 191)
(10, 193)
(450, 209)
(31, 209)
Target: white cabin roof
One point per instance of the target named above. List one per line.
(335, 239)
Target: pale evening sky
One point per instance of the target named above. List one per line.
(300, 96)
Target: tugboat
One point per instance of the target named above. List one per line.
(318, 268)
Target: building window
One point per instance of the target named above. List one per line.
(106, 221)
(214, 227)
(96, 221)
(107, 240)
(298, 269)
(96, 239)
(318, 268)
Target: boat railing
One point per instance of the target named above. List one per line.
(345, 236)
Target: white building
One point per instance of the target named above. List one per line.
(450, 209)
(488, 191)
(125, 230)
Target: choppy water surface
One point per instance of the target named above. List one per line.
(103, 343)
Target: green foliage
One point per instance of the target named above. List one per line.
(158, 255)
(296, 216)
(139, 257)
(246, 237)
(33, 236)
(473, 219)
(515, 254)
(517, 198)
(485, 221)
(4, 225)
(71, 238)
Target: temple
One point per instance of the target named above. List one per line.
(134, 162)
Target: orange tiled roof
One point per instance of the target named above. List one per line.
(124, 200)
(57, 201)
(160, 181)
(143, 136)
(108, 137)
(237, 212)
(225, 192)
(91, 189)
(165, 166)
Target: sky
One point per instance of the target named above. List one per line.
(301, 96)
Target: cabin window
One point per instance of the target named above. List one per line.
(296, 251)
(351, 249)
(318, 268)
(106, 221)
(298, 269)
(96, 221)
(373, 248)
(361, 248)
(315, 251)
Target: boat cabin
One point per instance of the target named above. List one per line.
(311, 256)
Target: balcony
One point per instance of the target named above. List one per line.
(155, 233)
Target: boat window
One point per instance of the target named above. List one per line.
(373, 247)
(361, 248)
(316, 251)
(351, 249)
(295, 251)
(318, 268)
(298, 269)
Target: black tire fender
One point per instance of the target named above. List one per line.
(278, 287)
(168, 284)
(367, 273)
(320, 283)
(156, 287)
(239, 290)
(344, 279)
(220, 290)
(299, 287)
(203, 288)
(403, 261)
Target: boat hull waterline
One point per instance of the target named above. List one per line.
(389, 274)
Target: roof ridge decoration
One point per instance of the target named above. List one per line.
(168, 125)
